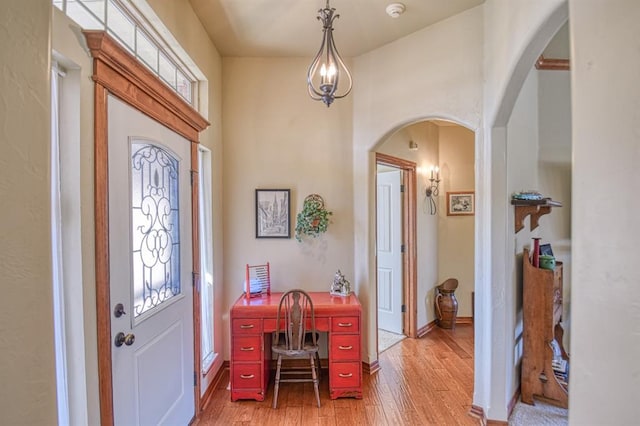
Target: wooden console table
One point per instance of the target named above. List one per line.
(254, 320)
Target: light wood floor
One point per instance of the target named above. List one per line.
(426, 381)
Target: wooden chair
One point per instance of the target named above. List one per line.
(296, 338)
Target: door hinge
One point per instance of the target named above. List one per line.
(402, 248)
(403, 308)
(193, 173)
(401, 187)
(195, 379)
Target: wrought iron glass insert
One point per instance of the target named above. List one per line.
(155, 226)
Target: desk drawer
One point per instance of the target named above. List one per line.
(345, 347)
(247, 326)
(247, 376)
(345, 325)
(322, 324)
(345, 374)
(247, 348)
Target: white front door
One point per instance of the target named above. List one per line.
(150, 270)
(389, 244)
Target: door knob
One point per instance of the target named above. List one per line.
(126, 339)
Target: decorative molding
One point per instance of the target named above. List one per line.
(371, 368)
(124, 76)
(423, 331)
(409, 262)
(513, 402)
(552, 64)
(464, 320)
(224, 368)
(394, 161)
(478, 413)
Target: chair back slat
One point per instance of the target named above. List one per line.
(296, 310)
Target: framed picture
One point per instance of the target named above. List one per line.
(461, 203)
(272, 213)
(545, 249)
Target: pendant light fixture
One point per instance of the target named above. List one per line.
(328, 70)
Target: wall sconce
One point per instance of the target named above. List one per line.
(413, 146)
(432, 189)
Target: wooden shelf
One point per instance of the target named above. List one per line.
(534, 208)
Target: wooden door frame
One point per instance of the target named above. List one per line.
(116, 72)
(409, 232)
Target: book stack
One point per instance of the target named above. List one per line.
(560, 370)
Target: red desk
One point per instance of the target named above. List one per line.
(254, 320)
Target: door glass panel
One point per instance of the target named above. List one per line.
(155, 226)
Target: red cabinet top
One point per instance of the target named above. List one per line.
(324, 304)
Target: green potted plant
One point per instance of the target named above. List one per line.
(313, 219)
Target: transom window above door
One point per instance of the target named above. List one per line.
(127, 25)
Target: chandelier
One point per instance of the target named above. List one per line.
(326, 70)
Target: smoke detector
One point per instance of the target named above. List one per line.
(395, 9)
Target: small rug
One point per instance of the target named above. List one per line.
(386, 339)
(541, 414)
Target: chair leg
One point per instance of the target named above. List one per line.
(314, 376)
(318, 367)
(277, 383)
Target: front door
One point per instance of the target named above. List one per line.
(389, 244)
(150, 270)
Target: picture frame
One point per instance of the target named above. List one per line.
(545, 249)
(461, 203)
(273, 213)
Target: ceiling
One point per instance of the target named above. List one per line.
(259, 28)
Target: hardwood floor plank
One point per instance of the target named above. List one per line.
(426, 381)
(374, 415)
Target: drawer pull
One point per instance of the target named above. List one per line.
(344, 324)
(345, 348)
(247, 349)
(244, 326)
(247, 376)
(345, 376)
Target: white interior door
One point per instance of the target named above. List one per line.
(389, 244)
(150, 270)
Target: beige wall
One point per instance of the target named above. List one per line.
(28, 391)
(184, 25)
(65, 42)
(445, 244)
(433, 73)
(456, 252)
(276, 137)
(554, 174)
(507, 63)
(605, 300)
(425, 134)
(522, 174)
(538, 158)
